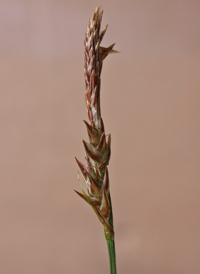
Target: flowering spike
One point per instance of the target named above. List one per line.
(94, 56)
(98, 149)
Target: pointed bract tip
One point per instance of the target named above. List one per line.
(105, 51)
(81, 195)
(82, 168)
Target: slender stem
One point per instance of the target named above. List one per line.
(111, 244)
(112, 258)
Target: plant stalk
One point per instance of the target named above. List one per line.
(112, 257)
(111, 244)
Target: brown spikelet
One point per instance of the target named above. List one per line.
(94, 55)
(98, 151)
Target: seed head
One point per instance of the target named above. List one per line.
(95, 173)
(93, 59)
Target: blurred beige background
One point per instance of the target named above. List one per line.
(151, 106)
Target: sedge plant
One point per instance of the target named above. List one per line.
(98, 149)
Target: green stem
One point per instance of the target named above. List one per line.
(112, 258)
(111, 244)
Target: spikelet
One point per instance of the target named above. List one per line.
(95, 173)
